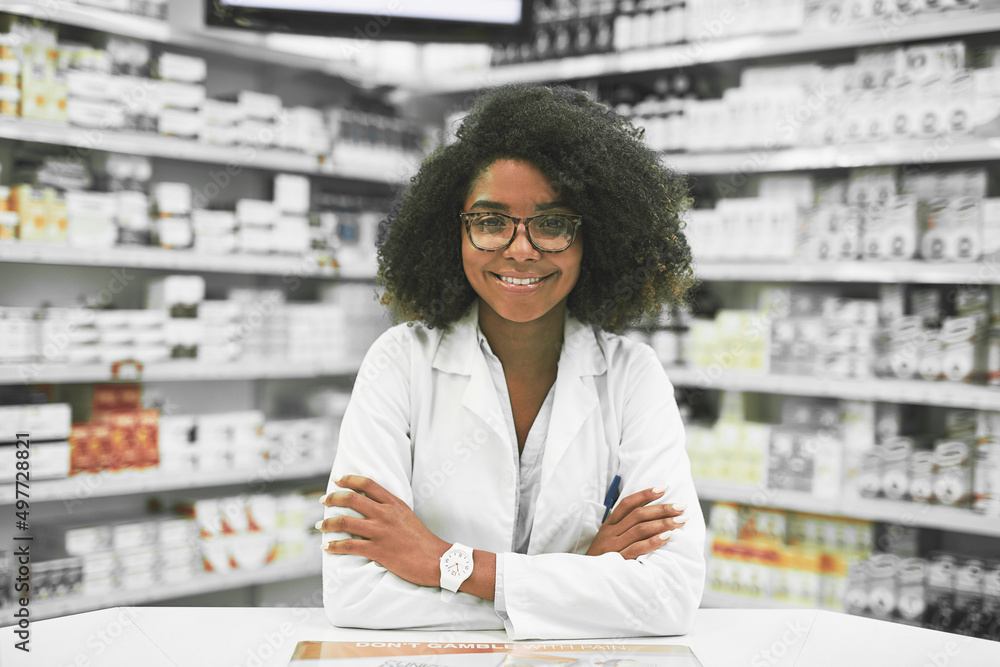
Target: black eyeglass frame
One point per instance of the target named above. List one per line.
(469, 217)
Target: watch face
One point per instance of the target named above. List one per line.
(457, 563)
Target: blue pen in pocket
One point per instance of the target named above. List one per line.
(612, 496)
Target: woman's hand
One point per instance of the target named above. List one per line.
(636, 528)
(389, 533)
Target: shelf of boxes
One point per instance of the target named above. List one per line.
(139, 257)
(872, 154)
(151, 145)
(173, 371)
(914, 272)
(93, 18)
(152, 480)
(723, 50)
(245, 45)
(917, 392)
(199, 585)
(905, 513)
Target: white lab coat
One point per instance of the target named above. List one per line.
(425, 422)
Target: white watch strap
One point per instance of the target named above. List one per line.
(450, 583)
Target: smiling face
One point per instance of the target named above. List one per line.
(518, 188)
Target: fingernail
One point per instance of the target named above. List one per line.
(666, 535)
(680, 507)
(659, 489)
(322, 499)
(680, 519)
(319, 524)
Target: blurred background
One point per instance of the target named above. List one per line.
(190, 195)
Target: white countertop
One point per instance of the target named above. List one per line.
(266, 637)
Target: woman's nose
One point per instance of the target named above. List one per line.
(521, 248)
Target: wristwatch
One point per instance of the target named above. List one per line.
(456, 567)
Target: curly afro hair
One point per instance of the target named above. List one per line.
(636, 257)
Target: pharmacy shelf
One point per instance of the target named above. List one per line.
(953, 519)
(917, 392)
(972, 273)
(138, 257)
(93, 18)
(871, 154)
(174, 371)
(125, 482)
(932, 26)
(246, 45)
(152, 145)
(713, 600)
(298, 568)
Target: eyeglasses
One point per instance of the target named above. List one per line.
(547, 232)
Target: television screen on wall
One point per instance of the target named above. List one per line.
(415, 20)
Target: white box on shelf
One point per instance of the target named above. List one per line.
(164, 294)
(49, 460)
(185, 69)
(86, 231)
(291, 193)
(180, 123)
(291, 235)
(173, 232)
(132, 210)
(97, 204)
(172, 198)
(218, 113)
(256, 212)
(259, 105)
(49, 421)
(95, 114)
(213, 222)
(82, 84)
(176, 95)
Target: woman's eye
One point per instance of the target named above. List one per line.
(492, 223)
(552, 224)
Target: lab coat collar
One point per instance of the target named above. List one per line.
(575, 394)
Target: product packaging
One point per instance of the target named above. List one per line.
(964, 350)
(953, 472)
(183, 69)
(911, 605)
(883, 595)
(986, 471)
(895, 468)
(940, 597)
(922, 476)
(969, 597)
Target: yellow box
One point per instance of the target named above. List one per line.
(10, 72)
(58, 92)
(29, 202)
(55, 216)
(10, 100)
(9, 223)
(36, 76)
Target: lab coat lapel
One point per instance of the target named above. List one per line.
(481, 398)
(459, 353)
(576, 397)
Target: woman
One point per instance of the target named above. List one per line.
(502, 415)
